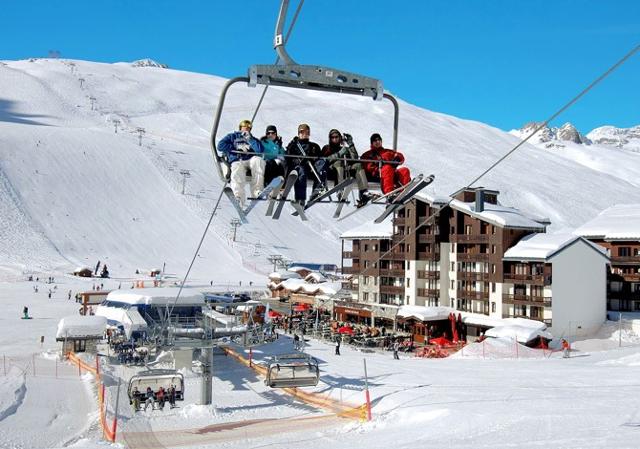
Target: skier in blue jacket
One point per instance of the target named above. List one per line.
(273, 154)
(241, 148)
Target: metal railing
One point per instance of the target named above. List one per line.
(519, 299)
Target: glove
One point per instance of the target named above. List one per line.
(244, 147)
(397, 159)
(246, 134)
(348, 138)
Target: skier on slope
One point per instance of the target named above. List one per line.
(340, 147)
(239, 146)
(317, 170)
(390, 175)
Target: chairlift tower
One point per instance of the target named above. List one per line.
(116, 122)
(235, 222)
(140, 132)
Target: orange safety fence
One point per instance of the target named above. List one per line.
(340, 408)
(109, 432)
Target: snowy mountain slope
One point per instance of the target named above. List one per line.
(96, 194)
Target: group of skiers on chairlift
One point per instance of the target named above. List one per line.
(267, 159)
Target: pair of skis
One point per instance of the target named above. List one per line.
(401, 196)
(274, 185)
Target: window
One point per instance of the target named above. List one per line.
(408, 282)
(375, 247)
(493, 307)
(365, 296)
(453, 266)
(493, 249)
(453, 285)
(453, 230)
(79, 345)
(493, 268)
(493, 288)
(493, 229)
(467, 229)
(366, 247)
(624, 251)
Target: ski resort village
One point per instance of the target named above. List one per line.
(298, 258)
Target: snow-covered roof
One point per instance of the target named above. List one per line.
(619, 222)
(370, 230)
(505, 217)
(542, 246)
(315, 276)
(81, 326)
(157, 296)
(299, 285)
(282, 275)
(425, 313)
(523, 334)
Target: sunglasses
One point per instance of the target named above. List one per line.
(271, 132)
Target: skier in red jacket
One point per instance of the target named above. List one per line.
(391, 176)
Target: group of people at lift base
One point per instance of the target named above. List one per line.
(267, 158)
(150, 397)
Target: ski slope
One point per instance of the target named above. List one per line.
(73, 191)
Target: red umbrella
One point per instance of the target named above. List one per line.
(301, 307)
(274, 314)
(440, 341)
(454, 331)
(346, 330)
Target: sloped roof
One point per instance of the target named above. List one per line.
(619, 222)
(370, 230)
(542, 246)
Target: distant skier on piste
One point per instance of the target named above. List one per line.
(390, 176)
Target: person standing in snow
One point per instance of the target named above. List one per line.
(240, 148)
(341, 147)
(338, 338)
(390, 176)
(396, 347)
(273, 154)
(566, 349)
(317, 170)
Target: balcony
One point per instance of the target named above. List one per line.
(527, 279)
(350, 254)
(546, 321)
(470, 294)
(392, 290)
(472, 276)
(427, 238)
(400, 221)
(423, 255)
(470, 238)
(527, 300)
(428, 292)
(423, 274)
(355, 269)
(395, 255)
(472, 257)
(399, 273)
(625, 259)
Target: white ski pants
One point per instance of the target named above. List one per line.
(239, 177)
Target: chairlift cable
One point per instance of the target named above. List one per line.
(286, 39)
(510, 152)
(215, 208)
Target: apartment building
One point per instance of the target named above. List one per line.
(456, 255)
(617, 229)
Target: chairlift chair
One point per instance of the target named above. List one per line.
(289, 74)
(155, 379)
(293, 370)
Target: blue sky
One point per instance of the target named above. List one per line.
(496, 61)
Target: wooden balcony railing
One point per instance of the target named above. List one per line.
(392, 272)
(527, 278)
(470, 294)
(426, 238)
(355, 269)
(391, 290)
(470, 238)
(625, 259)
(428, 292)
(472, 276)
(395, 255)
(424, 274)
(399, 221)
(350, 254)
(527, 300)
(472, 257)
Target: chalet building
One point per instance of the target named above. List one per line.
(617, 229)
(559, 279)
(457, 255)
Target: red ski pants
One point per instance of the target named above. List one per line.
(391, 177)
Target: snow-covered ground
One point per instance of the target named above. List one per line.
(589, 400)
